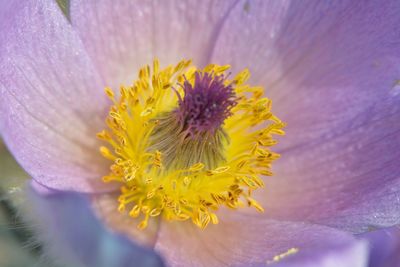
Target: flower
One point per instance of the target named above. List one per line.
(329, 68)
(182, 153)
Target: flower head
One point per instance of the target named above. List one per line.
(329, 67)
(187, 141)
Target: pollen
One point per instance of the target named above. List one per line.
(184, 142)
(283, 255)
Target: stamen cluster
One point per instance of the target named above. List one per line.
(164, 173)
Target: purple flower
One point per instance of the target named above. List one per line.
(331, 70)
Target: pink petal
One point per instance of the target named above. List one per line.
(52, 101)
(106, 207)
(331, 69)
(240, 240)
(122, 36)
(248, 37)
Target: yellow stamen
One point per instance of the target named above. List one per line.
(182, 187)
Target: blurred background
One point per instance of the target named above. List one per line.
(18, 247)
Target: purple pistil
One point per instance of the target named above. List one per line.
(207, 104)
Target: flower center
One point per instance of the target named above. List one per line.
(193, 132)
(187, 141)
(206, 104)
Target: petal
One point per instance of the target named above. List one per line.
(248, 37)
(123, 36)
(384, 247)
(75, 235)
(332, 72)
(353, 254)
(241, 240)
(106, 208)
(52, 101)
